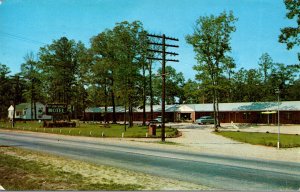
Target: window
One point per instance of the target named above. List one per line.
(245, 116)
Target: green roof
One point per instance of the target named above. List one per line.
(208, 107)
(22, 106)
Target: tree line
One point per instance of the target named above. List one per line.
(114, 71)
(211, 43)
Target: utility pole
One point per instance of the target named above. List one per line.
(16, 92)
(163, 58)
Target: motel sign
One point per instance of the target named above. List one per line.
(56, 109)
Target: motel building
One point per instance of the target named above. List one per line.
(246, 112)
(23, 112)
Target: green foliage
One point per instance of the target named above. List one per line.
(103, 67)
(4, 71)
(32, 82)
(63, 69)
(291, 35)
(191, 93)
(266, 66)
(115, 70)
(246, 84)
(11, 89)
(174, 85)
(211, 43)
(269, 77)
(59, 64)
(119, 56)
(267, 139)
(5, 90)
(293, 93)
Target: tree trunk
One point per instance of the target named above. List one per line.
(31, 110)
(105, 114)
(76, 107)
(105, 107)
(114, 119)
(83, 104)
(34, 107)
(130, 110)
(215, 111)
(214, 92)
(125, 121)
(216, 106)
(32, 100)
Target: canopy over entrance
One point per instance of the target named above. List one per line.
(268, 112)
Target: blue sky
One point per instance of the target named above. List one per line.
(26, 25)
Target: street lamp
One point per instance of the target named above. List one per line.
(277, 91)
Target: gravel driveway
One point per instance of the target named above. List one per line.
(202, 139)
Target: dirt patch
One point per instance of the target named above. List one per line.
(88, 176)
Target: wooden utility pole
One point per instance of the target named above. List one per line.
(16, 82)
(163, 58)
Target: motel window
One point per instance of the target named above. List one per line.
(245, 116)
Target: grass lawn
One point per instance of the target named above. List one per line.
(267, 139)
(91, 129)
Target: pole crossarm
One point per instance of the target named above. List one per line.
(159, 59)
(163, 58)
(161, 44)
(160, 36)
(158, 51)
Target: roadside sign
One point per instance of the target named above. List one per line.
(56, 109)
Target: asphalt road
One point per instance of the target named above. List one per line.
(220, 172)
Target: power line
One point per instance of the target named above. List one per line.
(22, 38)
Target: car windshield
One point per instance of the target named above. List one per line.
(206, 117)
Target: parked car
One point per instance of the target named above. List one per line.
(152, 121)
(205, 120)
(156, 121)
